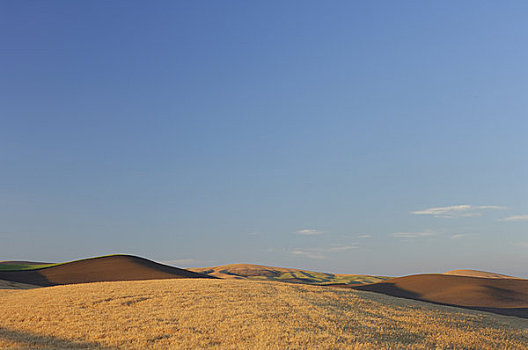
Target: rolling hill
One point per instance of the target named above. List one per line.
(281, 274)
(106, 268)
(499, 295)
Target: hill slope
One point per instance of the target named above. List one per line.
(106, 268)
(281, 274)
(504, 296)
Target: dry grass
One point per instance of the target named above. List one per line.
(194, 313)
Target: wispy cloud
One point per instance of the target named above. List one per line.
(516, 218)
(426, 233)
(364, 236)
(456, 211)
(180, 262)
(308, 253)
(309, 232)
(340, 248)
(320, 253)
(458, 236)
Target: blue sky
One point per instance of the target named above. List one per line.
(363, 137)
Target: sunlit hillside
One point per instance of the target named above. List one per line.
(210, 313)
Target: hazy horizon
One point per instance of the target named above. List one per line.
(349, 137)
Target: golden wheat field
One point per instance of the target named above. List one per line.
(233, 314)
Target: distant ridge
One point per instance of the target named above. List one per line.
(19, 262)
(477, 273)
(100, 269)
(282, 274)
(498, 295)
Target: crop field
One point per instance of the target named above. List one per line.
(233, 314)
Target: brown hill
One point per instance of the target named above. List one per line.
(477, 273)
(503, 296)
(106, 268)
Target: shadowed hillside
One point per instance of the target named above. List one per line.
(106, 268)
(503, 296)
(281, 274)
(15, 285)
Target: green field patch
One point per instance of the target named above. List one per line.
(15, 267)
(25, 267)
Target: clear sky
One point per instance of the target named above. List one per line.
(374, 137)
